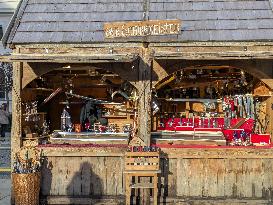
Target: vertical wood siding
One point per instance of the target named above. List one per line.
(83, 176)
(97, 176)
(232, 178)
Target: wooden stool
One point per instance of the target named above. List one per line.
(141, 164)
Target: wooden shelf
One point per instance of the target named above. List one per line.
(38, 113)
(191, 100)
(34, 138)
(115, 116)
(262, 96)
(142, 186)
(41, 89)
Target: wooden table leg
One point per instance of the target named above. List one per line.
(127, 188)
(155, 189)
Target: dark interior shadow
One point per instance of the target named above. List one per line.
(164, 189)
(85, 184)
(46, 180)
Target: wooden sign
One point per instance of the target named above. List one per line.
(142, 28)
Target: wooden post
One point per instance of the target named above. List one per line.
(269, 111)
(144, 110)
(145, 94)
(16, 131)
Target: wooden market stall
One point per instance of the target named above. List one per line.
(198, 86)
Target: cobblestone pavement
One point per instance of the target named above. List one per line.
(5, 182)
(5, 190)
(4, 158)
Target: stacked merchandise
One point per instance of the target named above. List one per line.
(238, 123)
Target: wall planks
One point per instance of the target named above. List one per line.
(232, 178)
(181, 177)
(83, 176)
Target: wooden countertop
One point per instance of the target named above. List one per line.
(168, 151)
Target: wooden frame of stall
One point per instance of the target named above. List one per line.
(94, 174)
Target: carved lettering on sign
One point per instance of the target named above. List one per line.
(142, 28)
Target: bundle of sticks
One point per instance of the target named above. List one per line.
(28, 160)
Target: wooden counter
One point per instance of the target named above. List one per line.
(187, 172)
(168, 151)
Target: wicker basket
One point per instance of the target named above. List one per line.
(26, 188)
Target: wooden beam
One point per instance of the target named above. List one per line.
(50, 58)
(159, 72)
(82, 152)
(32, 71)
(5, 58)
(81, 45)
(213, 55)
(213, 50)
(222, 152)
(254, 44)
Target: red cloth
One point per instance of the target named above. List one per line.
(247, 126)
(208, 129)
(177, 146)
(260, 138)
(83, 145)
(184, 128)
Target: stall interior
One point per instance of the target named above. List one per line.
(211, 105)
(208, 105)
(78, 105)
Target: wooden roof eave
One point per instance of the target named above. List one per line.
(5, 58)
(97, 58)
(13, 24)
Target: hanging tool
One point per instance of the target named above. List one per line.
(52, 95)
(121, 93)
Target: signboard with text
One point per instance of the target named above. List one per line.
(142, 28)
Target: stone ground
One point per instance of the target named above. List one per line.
(5, 182)
(5, 190)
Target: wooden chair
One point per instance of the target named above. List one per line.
(141, 164)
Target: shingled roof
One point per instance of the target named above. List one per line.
(81, 21)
